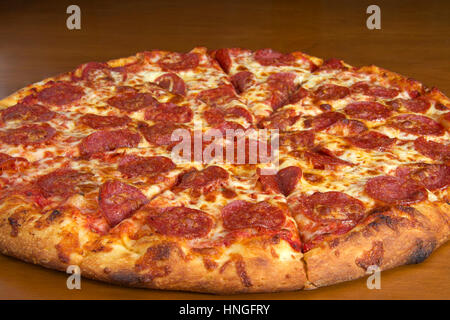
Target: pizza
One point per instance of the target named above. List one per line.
(330, 169)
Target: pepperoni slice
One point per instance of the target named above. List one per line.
(323, 159)
(298, 139)
(332, 64)
(325, 107)
(439, 106)
(60, 94)
(395, 191)
(28, 135)
(331, 92)
(417, 125)
(107, 140)
(360, 87)
(217, 97)
(180, 222)
(324, 120)
(431, 176)
(283, 182)
(284, 78)
(433, 150)
(269, 57)
(101, 122)
(229, 125)
(88, 69)
(159, 134)
(179, 61)
(206, 179)
(29, 113)
(239, 112)
(130, 68)
(281, 120)
(119, 201)
(374, 90)
(132, 101)
(61, 182)
(346, 128)
(169, 112)
(335, 208)
(313, 178)
(297, 94)
(372, 140)
(9, 163)
(242, 81)
(281, 86)
(4, 158)
(419, 105)
(135, 166)
(382, 92)
(214, 116)
(95, 73)
(367, 110)
(172, 83)
(223, 58)
(241, 214)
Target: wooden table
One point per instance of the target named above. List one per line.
(413, 40)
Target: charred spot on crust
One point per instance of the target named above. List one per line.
(406, 209)
(46, 220)
(379, 217)
(55, 214)
(378, 210)
(124, 277)
(414, 214)
(242, 272)
(14, 223)
(334, 243)
(384, 220)
(160, 252)
(374, 256)
(275, 239)
(422, 250)
(154, 263)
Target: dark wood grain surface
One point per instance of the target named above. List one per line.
(414, 40)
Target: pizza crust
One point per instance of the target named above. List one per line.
(21, 239)
(252, 270)
(395, 237)
(392, 239)
(258, 273)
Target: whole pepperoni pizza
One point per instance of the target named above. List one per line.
(89, 176)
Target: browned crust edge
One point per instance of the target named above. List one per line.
(394, 237)
(14, 97)
(254, 270)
